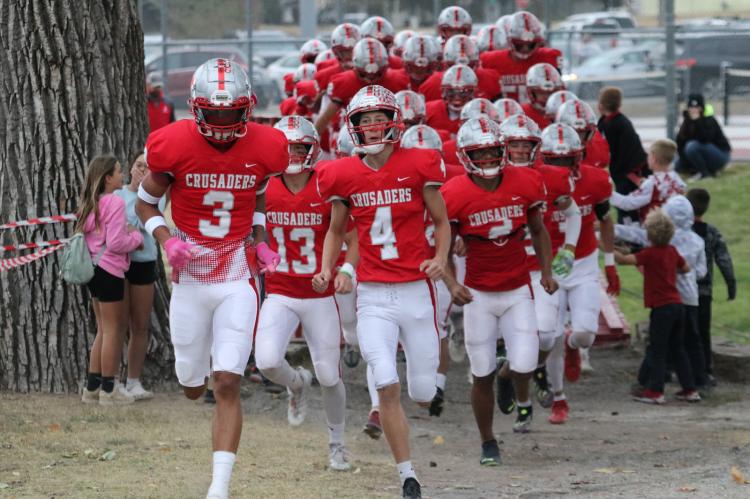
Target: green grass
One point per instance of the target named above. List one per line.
(728, 212)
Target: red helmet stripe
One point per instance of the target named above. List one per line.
(220, 65)
(483, 125)
(458, 74)
(420, 138)
(455, 16)
(560, 137)
(526, 22)
(371, 48)
(380, 26)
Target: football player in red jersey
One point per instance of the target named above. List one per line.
(459, 84)
(421, 58)
(491, 38)
(507, 108)
(381, 29)
(554, 102)
(343, 39)
(300, 102)
(386, 190)
(579, 290)
(556, 141)
(461, 49)
(542, 80)
(453, 20)
(525, 48)
(489, 208)
(370, 60)
(424, 137)
(579, 115)
(216, 170)
(297, 220)
(472, 109)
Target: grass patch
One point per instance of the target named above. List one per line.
(731, 320)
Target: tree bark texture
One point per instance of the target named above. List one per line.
(72, 87)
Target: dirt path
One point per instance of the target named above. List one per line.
(53, 446)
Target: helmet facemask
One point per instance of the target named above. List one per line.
(523, 49)
(521, 151)
(380, 131)
(302, 156)
(457, 97)
(484, 161)
(221, 124)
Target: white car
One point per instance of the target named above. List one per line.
(285, 64)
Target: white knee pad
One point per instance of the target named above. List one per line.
(230, 357)
(327, 374)
(422, 388)
(546, 340)
(268, 358)
(190, 374)
(582, 339)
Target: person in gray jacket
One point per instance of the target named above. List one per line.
(692, 248)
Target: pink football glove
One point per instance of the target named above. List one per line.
(267, 258)
(179, 252)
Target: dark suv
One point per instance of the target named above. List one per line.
(703, 53)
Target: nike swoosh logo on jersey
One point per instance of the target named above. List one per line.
(250, 165)
(584, 197)
(315, 204)
(401, 179)
(515, 198)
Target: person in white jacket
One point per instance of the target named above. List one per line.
(656, 189)
(691, 246)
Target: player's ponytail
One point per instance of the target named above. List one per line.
(93, 186)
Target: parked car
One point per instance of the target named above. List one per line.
(270, 45)
(703, 54)
(281, 66)
(619, 67)
(182, 63)
(621, 18)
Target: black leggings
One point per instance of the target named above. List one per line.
(665, 338)
(704, 326)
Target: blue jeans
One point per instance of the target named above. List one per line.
(706, 159)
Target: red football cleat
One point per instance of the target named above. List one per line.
(373, 428)
(572, 362)
(559, 414)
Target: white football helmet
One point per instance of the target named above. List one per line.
(221, 100)
(369, 99)
(300, 131)
(412, 107)
(479, 107)
(344, 145)
(475, 136)
(504, 24)
(525, 35)
(507, 108)
(491, 38)
(556, 100)
(343, 39)
(310, 50)
(541, 81)
(421, 137)
(457, 86)
(304, 72)
(520, 128)
(378, 28)
(370, 59)
(578, 115)
(421, 57)
(561, 146)
(452, 21)
(326, 55)
(460, 49)
(399, 41)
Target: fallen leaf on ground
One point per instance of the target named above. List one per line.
(687, 488)
(54, 427)
(738, 477)
(439, 440)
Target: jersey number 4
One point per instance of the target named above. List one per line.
(381, 233)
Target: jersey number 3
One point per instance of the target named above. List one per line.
(225, 200)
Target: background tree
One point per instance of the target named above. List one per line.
(72, 87)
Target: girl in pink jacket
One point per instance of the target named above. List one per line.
(102, 219)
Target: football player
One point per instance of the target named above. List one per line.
(581, 117)
(421, 58)
(453, 21)
(459, 84)
(381, 29)
(489, 208)
(525, 48)
(386, 190)
(542, 80)
(472, 109)
(216, 169)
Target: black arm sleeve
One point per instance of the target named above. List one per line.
(601, 210)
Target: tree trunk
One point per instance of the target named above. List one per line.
(72, 87)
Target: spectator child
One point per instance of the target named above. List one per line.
(101, 217)
(627, 157)
(139, 282)
(692, 249)
(716, 250)
(661, 262)
(657, 188)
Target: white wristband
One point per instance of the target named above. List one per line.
(609, 259)
(347, 269)
(144, 195)
(259, 219)
(154, 223)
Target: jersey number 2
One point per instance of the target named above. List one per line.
(226, 201)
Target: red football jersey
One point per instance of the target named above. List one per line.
(536, 115)
(288, 106)
(592, 187)
(513, 71)
(388, 210)
(395, 62)
(296, 225)
(451, 170)
(344, 86)
(323, 76)
(213, 192)
(597, 151)
(436, 116)
(488, 85)
(492, 226)
(558, 183)
(289, 83)
(450, 152)
(328, 63)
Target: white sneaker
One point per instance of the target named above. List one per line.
(298, 401)
(118, 397)
(338, 459)
(586, 367)
(90, 396)
(137, 391)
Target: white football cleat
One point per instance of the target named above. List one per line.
(338, 458)
(585, 361)
(297, 410)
